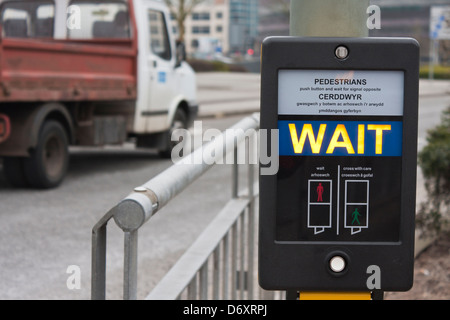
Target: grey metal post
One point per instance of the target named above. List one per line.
(130, 265)
(98, 272)
(251, 218)
(226, 266)
(329, 18)
(235, 174)
(433, 58)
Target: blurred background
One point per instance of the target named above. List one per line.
(43, 232)
(231, 31)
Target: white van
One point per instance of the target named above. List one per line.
(87, 72)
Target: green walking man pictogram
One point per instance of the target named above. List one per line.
(355, 216)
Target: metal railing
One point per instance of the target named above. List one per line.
(221, 262)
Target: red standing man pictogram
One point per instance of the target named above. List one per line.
(319, 192)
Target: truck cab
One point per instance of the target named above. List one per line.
(87, 73)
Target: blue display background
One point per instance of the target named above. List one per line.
(392, 139)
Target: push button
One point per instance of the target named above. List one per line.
(337, 264)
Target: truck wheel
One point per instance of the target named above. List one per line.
(48, 163)
(14, 172)
(179, 122)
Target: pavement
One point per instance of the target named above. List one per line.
(431, 276)
(226, 94)
(434, 87)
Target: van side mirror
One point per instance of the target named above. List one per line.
(180, 53)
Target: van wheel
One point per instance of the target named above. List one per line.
(47, 166)
(179, 122)
(14, 173)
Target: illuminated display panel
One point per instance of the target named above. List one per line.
(340, 155)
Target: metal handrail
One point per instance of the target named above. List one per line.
(137, 208)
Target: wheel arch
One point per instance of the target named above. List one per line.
(178, 104)
(51, 111)
(26, 123)
(183, 105)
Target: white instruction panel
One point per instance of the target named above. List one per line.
(340, 92)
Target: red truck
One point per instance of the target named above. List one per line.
(88, 73)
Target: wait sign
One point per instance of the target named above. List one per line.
(344, 193)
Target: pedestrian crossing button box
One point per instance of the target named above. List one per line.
(341, 116)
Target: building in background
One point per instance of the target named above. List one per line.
(219, 28)
(399, 18)
(243, 25)
(411, 18)
(229, 28)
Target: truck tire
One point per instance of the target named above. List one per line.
(47, 165)
(14, 172)
(179, 122)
